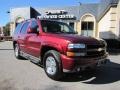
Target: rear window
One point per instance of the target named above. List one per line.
(18, 28)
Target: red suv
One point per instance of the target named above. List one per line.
(57, 47)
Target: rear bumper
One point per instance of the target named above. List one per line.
(77, 64)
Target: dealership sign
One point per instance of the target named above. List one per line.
(57, 17)
(56, 14)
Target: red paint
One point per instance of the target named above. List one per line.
(33, 43)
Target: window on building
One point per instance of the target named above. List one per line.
(71, 24)
(24, 28)
(87, 25)
(87, 28)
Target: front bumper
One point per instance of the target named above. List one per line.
(78, 63)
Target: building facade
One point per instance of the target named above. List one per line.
(1, 31)
(96, 20)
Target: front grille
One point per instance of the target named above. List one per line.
(95, 53)
(95, 46)
(95, 50)
(91, 51)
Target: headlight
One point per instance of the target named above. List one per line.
(103, 42)
(79, 46)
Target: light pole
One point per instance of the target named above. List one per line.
(78, 1)
(8, 25)
(79, 6)
(79, 12)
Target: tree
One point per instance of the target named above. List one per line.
(6, 30)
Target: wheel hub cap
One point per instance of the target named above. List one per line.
(16, 51)
(50, 65)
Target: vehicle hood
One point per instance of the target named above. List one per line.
(74, 38)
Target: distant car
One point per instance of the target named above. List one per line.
(57, 47)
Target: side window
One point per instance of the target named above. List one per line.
(24, 28)
(34, 26)
(18, 28)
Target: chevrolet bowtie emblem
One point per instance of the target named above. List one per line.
(100, 49)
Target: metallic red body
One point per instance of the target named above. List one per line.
(33, 43)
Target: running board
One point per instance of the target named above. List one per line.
(30, 57)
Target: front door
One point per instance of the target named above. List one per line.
(33, 41)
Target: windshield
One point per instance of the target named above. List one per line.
(56, 27)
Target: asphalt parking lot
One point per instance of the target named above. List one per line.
(24, 75)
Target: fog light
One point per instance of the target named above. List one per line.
(75, 54)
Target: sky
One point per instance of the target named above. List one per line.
(6, 5)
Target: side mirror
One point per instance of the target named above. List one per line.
(33, 30)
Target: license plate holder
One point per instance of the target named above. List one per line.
(99, 63)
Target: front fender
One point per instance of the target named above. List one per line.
(56, 46)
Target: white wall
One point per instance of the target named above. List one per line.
(103, 26)
(118, 20)
(107, 25)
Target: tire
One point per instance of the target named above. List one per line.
(52, 65)
(17, 52)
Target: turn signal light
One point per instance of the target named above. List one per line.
(71, 54)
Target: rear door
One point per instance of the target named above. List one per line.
(16, 33)
(22, 36)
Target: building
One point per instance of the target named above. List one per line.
(1, 32)
(97, 20)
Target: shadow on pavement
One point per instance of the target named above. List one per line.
(114, 51)
(103, 75)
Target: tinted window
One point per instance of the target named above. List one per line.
(24, 28)
(18, 28)
(34, 25)
(56, 27)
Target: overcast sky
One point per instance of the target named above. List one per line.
(5, 5)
